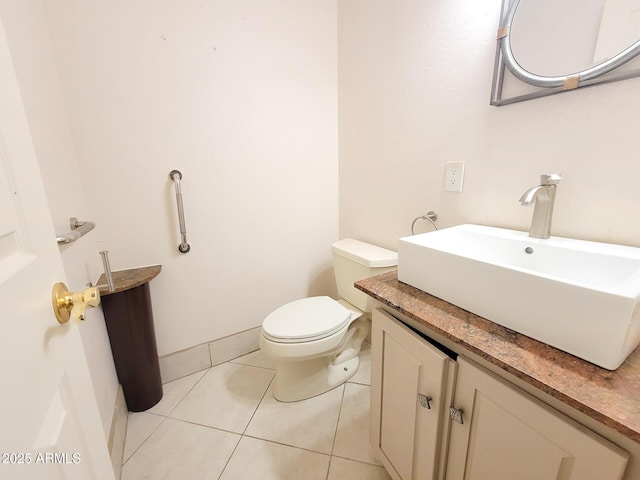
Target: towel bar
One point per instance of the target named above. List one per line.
(78, 229)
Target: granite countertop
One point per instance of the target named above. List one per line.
(127, 279)
(610, 397)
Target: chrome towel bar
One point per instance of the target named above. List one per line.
(176, 176)
(78, 229)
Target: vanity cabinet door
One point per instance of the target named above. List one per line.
(507, 434)
(411, 390)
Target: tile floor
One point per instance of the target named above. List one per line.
(223, 423)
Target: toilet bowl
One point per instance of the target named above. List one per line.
(315, 342)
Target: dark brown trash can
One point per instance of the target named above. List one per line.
(132, 336)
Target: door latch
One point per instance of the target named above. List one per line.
(72, 305)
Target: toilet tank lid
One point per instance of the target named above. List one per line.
(365, 253)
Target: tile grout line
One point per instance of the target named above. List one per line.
(168, 416)
(335, 433)
(193, 422)
(187, 375)
(295, 447)
(164, 417)
(226, 464)
(146, 438)
(242, 435)
(258, 405)
(249, 365)
(188, 392)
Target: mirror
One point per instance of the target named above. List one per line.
(546, 47)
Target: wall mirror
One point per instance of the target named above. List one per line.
(546, 47)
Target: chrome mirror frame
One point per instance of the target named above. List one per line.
(600, 73)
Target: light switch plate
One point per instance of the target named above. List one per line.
(454, 176)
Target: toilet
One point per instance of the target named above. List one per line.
(315, 342)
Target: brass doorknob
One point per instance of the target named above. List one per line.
(72, 305)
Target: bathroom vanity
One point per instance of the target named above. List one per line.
(457, 396)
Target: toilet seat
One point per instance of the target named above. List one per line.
(306, 320)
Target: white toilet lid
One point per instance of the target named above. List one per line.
(305, 320)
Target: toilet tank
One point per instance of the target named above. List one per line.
(354, 260)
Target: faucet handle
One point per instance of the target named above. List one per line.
(550, 179)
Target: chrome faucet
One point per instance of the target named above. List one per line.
(544, 196)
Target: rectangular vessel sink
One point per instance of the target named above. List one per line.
(578, 296)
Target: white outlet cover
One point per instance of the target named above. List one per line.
(454, 176)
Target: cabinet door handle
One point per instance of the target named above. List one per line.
(456, 414)
(425, 401)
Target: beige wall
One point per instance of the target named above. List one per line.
(414, 85)
(241, 96)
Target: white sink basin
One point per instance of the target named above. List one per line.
(581, 297)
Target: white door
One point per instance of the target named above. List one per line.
(50, 426)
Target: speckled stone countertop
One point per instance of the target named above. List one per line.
(612, 398)
(127, 279)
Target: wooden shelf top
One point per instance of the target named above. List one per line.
(127, 279)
